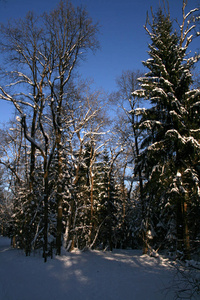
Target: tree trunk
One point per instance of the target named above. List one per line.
(70, 238)
(59, 196)
(143, 213)
(109, 212)
(45, 247)
(186, 232)
(183, 239)
(91, 206)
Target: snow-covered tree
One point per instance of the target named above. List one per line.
(41, 54)
(71, 34)
(130, 133)
(170, 154)
(86, 140)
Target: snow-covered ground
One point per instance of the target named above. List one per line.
(92, 275)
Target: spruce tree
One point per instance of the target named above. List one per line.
(171, 146)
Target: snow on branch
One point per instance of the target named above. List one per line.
(13, 170)
(7, 97)
(28, 137)
(138, 93)
(159, 91)
(137, 111)
(191, 12)
(193, 94)
(174, 134)
(185, 31)
(25, 78)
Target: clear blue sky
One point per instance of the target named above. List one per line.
(122, 37)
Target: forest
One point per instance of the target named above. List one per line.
(74, 175)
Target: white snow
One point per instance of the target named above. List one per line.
(90, 275)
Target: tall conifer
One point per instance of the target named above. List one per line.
(171, 146)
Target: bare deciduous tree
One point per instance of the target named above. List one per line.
(41, 54)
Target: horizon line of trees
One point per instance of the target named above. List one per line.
(70, 174)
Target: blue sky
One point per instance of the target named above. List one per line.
(122, 37)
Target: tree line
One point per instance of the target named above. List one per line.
(70, 174)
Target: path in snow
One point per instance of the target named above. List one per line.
(92, 275)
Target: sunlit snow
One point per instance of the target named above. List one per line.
(92, 275)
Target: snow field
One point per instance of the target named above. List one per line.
(91, 275)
